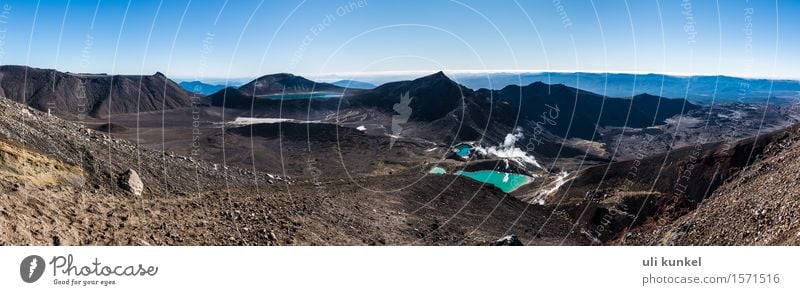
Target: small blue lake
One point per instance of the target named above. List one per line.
(463, 150)
(507, 182)
(295, 96)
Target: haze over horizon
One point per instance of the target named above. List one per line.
(246, 39)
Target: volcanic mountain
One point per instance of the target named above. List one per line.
(96, 95)
(250, 95)
(580, 112)
(437, 108)
(278, 83)
(429, 98)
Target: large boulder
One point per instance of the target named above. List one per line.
(130, 181)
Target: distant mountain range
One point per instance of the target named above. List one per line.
(698, 89)
(433, 99)
(200, 87)
(354, 84)
(440, 107)
(701, 89)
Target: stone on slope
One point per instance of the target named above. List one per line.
(130, 181)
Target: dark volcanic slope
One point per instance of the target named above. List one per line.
(579, 111)
(69, 95)
(757, 206)
(653, 191)
(692, 172)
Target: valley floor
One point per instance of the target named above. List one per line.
(61, 184)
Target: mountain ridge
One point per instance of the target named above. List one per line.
(699, 89)
(94, 95)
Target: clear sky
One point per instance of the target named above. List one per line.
(240, 38)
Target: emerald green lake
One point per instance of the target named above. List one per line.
(437, 170)
(507, 182)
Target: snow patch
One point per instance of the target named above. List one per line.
(251, 121)
(552, 187)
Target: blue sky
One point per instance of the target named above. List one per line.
(237, 39)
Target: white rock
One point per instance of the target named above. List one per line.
(131, 182)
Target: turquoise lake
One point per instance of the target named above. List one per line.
(507, 182)
(463, 150)
(294, 96)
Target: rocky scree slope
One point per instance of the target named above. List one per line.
(100, 158)
(759, 205)
(62, 183)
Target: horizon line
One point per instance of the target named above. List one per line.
(422, 73)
